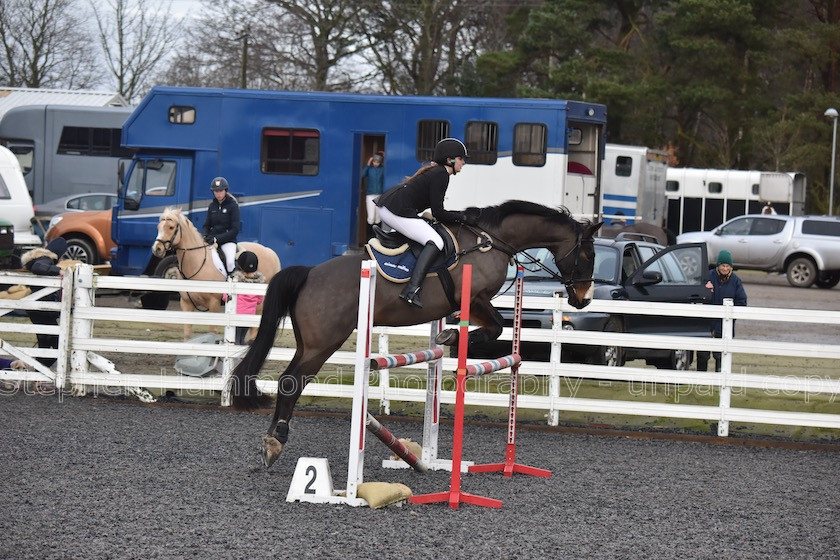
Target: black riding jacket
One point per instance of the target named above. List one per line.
(423, 191)
(223, 220)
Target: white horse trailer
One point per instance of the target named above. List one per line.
(633, 184)
(702, 199)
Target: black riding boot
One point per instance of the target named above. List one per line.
(411, 293)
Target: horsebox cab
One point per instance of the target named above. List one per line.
(16, 210)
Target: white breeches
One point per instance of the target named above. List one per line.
(372, 214)
(417, 229)
(229, 250)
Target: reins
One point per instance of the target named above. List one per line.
(169, 245)
(510, 251)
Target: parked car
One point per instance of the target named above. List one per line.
(625, 269)
(88, 235)
(77, 203)
(806, 248)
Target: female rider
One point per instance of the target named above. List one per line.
(222, 224)
(399, 207)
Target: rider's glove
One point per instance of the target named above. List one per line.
(470, 216)
(209, 239)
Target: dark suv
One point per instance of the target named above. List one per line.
(625, 269)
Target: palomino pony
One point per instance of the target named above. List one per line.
(323, 304)
(195, 259)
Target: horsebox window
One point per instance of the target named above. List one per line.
(92, 141)
(181, 115)
(755, 189)
(24, 155)
(623, 166)
(4, 190)
(291, 151)
(672, 186)
(429, 133)
(529, 144)
(715, 187)
(482, 141)
(160, 178)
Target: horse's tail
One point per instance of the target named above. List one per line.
(280, 297)
(670, 236)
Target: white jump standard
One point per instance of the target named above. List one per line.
(360, 419)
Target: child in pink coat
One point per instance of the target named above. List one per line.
(246, 271)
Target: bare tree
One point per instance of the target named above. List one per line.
(319, 38)
(135, 37)
(44, 44)
(291, 45)
(211, 53)
(422, 46)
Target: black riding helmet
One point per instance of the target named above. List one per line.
(219, 184)
(447, 150)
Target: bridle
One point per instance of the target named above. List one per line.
(168, 245)
(506, 248)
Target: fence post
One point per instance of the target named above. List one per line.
(82, 297)
(228, 339)
(554, 359)
(384, 375)
(726, 367)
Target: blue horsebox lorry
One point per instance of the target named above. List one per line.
(294, 160)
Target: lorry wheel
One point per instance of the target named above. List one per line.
(801, 272)
(81, 250)
(828, 280)
(168, 268)
(612, 356)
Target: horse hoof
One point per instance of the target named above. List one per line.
(270, 450)
(449, 337)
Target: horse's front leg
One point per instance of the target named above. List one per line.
(186, 305)
(481, 313)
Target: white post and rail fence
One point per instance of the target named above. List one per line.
(81, 365)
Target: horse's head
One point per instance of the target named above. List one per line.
(169, 233)
(575, 259)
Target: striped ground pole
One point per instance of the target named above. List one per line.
(407, 359)
(493, 365)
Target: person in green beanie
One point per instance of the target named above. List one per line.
(724, 284)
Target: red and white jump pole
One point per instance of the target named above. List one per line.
(510, 465)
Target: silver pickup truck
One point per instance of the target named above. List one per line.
(806, 248)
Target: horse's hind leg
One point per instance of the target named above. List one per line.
(289, 388)
(275, 439)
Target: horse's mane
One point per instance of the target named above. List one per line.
(493, 215)
(174, 213)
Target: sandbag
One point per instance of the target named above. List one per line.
(381, 494)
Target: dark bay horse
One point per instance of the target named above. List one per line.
(322, 301)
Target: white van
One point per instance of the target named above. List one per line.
(15, 202)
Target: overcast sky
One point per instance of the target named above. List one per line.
(185, 7)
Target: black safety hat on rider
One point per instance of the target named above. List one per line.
(447, 150)
(219, 184)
